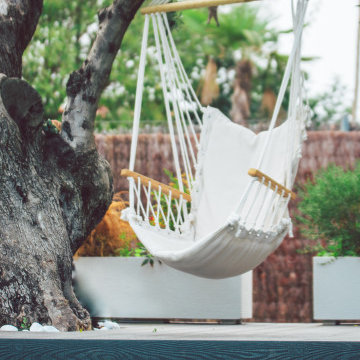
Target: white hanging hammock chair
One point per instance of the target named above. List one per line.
(235, 220)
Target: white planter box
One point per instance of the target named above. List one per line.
(336, 285)
(120, 287)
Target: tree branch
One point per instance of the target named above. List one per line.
(86, 84)
(18, 21)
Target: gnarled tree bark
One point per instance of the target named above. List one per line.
(54, 186)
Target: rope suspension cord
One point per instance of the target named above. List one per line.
(189, 4)
(294, 104)
(185, 79)
(137, 109)
(167, 105)
(298, 109)
(287, 75)
(139, 93)
(174, 83)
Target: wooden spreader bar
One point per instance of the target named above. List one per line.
(189, 4)
(274, 185)
(155, 185)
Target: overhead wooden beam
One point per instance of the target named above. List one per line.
(189, 4)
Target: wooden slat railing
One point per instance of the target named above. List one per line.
(274, 185)
(155, 185)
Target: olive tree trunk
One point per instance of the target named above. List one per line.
(54, 186)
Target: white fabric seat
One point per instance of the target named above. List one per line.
(228, 151)
(235, 220)
(218, 249)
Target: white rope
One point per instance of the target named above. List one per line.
(265, 190)
(173, 219)
(270, 208)
(188, 139)
(286, 78)
(183, 75)
(177, 87)
(170, 83)
(147, 193)
(174, 88)
(254, 200)
(158, 206)
(183, 72)
(244, 197)
(151, 209)
(169, 207)
(139, 94)
(137, 192)
(161, 210)
(167, 106)
(282, 212)
(174, 96)
(276, 209)
(181, 84)
(295, 103)
(131, 193)
(139, 203)
(167, 225)
(179, 206)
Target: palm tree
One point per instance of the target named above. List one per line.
(240, 31)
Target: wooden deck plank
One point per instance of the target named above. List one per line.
(175, 350)
(245, 332)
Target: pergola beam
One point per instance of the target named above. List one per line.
(189, 4)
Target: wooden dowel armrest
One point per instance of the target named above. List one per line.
(274, 185)
(155, 185)
(190, 4)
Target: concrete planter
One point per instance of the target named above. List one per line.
(336, 285)
(120, 287)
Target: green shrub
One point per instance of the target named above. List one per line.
(330, 212)
(138, 251)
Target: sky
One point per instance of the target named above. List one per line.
(330, 36)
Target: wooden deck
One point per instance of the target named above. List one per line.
(244, 332)
(189, 341)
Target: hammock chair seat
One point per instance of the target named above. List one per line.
(226, 252)
(221, 245)
(230, 222)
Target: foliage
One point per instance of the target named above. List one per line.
(138, 251)
(129, 251)
(49, 127)
(329, 108)
(25, 324)
(66, 33)
(330, 212)
(111, 233)
(242, 34)
(60, 44)
(113, 236)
